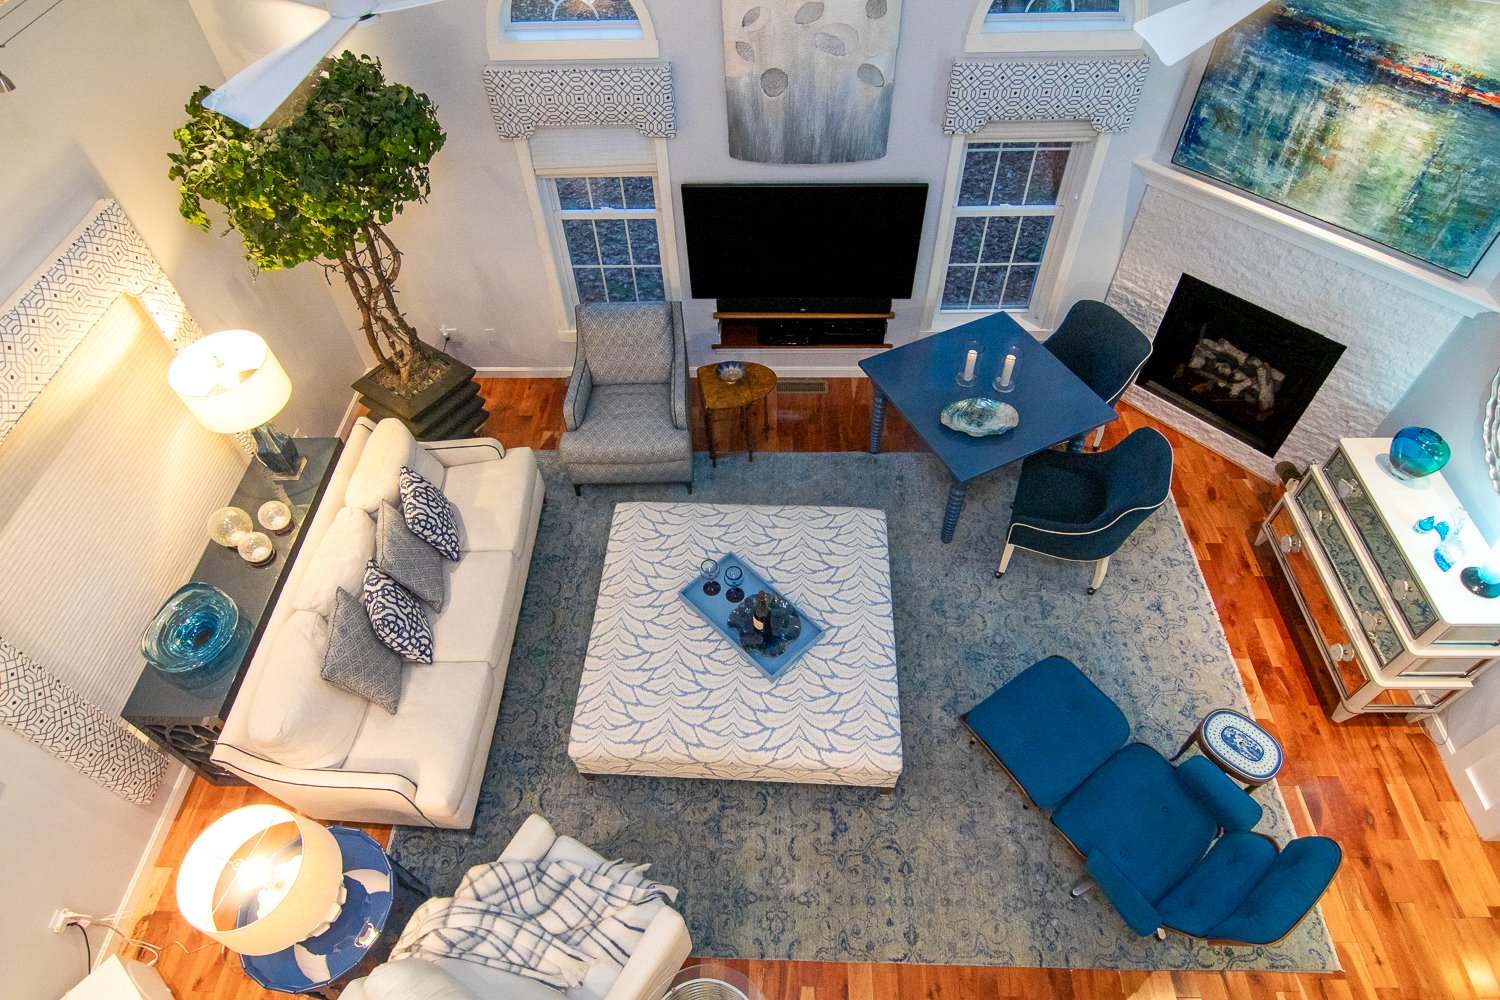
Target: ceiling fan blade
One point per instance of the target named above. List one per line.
(1178, 32)
(251, 96)
(386, 6)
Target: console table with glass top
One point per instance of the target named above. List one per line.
(186, 722)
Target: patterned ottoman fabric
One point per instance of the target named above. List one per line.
(663, 694)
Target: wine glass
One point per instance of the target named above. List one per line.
(710, 570)
(733, 575)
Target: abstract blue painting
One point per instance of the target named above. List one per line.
(1376, 116)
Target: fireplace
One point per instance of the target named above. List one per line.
(1241, 368)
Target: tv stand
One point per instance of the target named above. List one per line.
(807, 323)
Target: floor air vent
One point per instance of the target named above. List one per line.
(806, 386)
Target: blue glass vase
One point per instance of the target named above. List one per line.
(1418, 452)
(197, 634)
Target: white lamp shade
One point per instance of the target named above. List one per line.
(230, 381)
(1178, 32)
(214, 880)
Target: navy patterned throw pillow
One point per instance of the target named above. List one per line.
(396, 617)
(428, 513)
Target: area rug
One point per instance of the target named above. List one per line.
(955, 867)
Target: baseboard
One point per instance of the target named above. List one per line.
(131, 903)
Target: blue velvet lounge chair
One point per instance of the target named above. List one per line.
(1171, 847)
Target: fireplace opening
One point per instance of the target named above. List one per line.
(1235, 365)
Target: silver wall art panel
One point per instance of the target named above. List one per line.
(810, 81)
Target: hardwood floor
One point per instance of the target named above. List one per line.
(1414, 912)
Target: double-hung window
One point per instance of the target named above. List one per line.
(608, 232)
(1006, 212)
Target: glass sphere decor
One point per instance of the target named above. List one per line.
(228, 524)
(275, 517)
(197, 634)
(1418, 452)
(256, 548)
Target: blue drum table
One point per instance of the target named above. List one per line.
(1239, 746)
(381, 896)
(919, 380)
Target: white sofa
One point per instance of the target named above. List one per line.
(656, 955)
(332, 754)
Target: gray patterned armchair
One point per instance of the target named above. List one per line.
(625, 413)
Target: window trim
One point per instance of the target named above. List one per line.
(1054, 32)
(549, 232)
(1085, 164)
(557, 215)
(573, 40)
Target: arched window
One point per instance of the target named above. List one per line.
(570, 29)
(1050, 25)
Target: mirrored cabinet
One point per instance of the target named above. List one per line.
(1398, 633)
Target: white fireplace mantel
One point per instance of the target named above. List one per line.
(1466, 297)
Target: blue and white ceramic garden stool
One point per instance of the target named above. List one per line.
(1239, 746)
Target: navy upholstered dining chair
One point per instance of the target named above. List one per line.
(1172, 848)
(1082, 507)
(1104, 349)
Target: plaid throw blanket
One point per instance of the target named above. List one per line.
(547, 920)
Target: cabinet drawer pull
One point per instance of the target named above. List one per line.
(1341, 652)
(1347, 488)
(1373, 623)
(1402, 588)
(1319, 516)
(1291, 543)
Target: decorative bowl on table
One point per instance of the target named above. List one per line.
(196, 635)
(729, 372)
(770, 632)
(1418, 452)
(979, 417)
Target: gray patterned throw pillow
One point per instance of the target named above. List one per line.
(356, 659)
(414, 564)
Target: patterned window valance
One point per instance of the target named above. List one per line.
(1103, 91)
(524, 98)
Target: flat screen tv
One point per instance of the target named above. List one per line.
(803, 241)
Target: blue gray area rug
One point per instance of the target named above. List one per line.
(953, 868)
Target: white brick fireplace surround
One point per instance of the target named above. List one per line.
(1392, 323)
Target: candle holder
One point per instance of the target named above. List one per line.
(968, 364)
(1005, 381)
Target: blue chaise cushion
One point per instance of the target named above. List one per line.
(1135, 812)
(1135, 908)
(1050, 727)
(1291, 887)
(1229, 804)
(1217, 884)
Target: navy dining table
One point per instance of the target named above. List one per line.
(920, 378)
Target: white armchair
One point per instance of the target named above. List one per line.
(661, 951)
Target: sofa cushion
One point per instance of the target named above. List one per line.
(496, 983)
(410, 561)
(469, 628)
(414, 979)
(397, 618)
(445, 710)
(339, 561)
(429, 515)
(296, 717)
(357, 660)
(377, 477)
(493, 501)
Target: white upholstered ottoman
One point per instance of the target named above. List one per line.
(663, 694)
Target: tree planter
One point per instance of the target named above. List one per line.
(449, 407)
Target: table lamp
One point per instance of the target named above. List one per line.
(232, 382)
(262, 879)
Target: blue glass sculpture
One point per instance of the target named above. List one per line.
(1418, 451)
(196, 635)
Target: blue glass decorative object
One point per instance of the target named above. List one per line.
(1483, 580)
(196, 635)
(1418, 452)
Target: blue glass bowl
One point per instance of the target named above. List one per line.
(1418, 452)
(196, 635)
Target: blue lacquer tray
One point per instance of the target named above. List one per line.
(715, 610)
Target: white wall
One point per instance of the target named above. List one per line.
(472, 255)
(101, 85)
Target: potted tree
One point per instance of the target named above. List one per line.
(322, 184)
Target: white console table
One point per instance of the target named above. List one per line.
(1398, 635)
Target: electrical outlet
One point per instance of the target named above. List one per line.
(62, 917)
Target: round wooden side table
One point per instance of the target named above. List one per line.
(756, 387)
